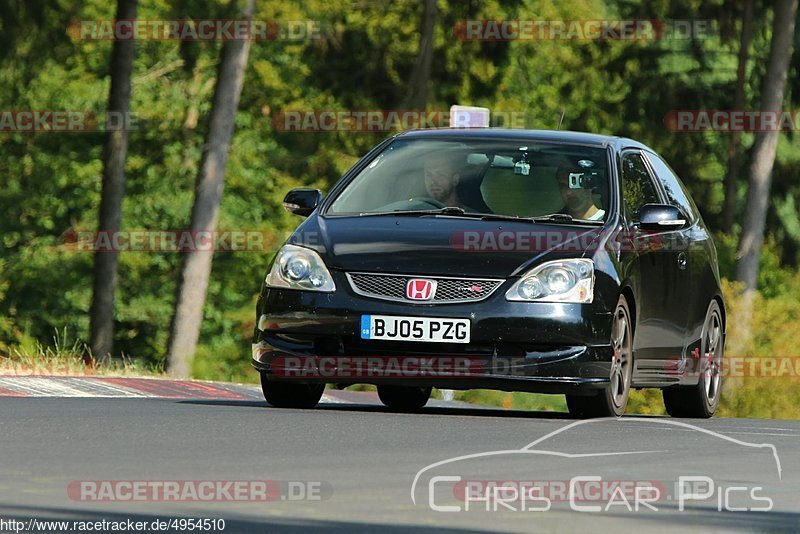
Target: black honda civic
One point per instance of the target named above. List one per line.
(517, 260)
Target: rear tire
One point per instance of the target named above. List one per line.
(611, 400)
(404, 398)
(291, 394)
(700, 401)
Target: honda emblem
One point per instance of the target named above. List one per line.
(420, 289)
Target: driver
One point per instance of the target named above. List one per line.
(579, 203)
(441, 179)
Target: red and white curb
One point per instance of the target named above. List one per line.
(147, 388)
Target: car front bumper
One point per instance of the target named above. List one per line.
(514, 346)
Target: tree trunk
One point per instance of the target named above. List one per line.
(731, 181)
(101, 314)
(196, 268)
(418, 86)
(764, 149)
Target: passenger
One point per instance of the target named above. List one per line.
(579, 203)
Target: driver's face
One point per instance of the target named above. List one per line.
(575, 199)
(441, 179)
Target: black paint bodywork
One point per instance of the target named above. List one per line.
(669, 278)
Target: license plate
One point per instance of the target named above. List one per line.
(430, 329)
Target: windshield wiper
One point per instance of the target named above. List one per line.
(501, 217)
(555, 217)
(447, 210)
(564, 217)
(457, 211)
(451, 210)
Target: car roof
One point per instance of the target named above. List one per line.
(552, 136)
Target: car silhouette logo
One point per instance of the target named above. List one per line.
(420, 289)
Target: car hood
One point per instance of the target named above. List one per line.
(440, 245)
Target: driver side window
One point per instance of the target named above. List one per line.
(637, 186)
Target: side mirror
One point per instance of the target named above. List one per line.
(661, 217)
(302, 201)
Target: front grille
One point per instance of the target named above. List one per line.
(393, 287)
(448, 290)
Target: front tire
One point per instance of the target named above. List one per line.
(291, 394)
(611, 400)
(404, 398)
(701, 401)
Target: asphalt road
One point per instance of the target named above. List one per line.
(352, 466)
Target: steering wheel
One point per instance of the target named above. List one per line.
(428, 200)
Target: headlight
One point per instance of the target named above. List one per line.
(300, 268)
(556, 281)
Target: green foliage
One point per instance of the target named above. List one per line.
(62, 356)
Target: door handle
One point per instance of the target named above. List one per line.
(682, 261)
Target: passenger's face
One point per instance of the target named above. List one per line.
(575, 199)
(440, 179)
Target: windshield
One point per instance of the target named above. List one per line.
(507, 178)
